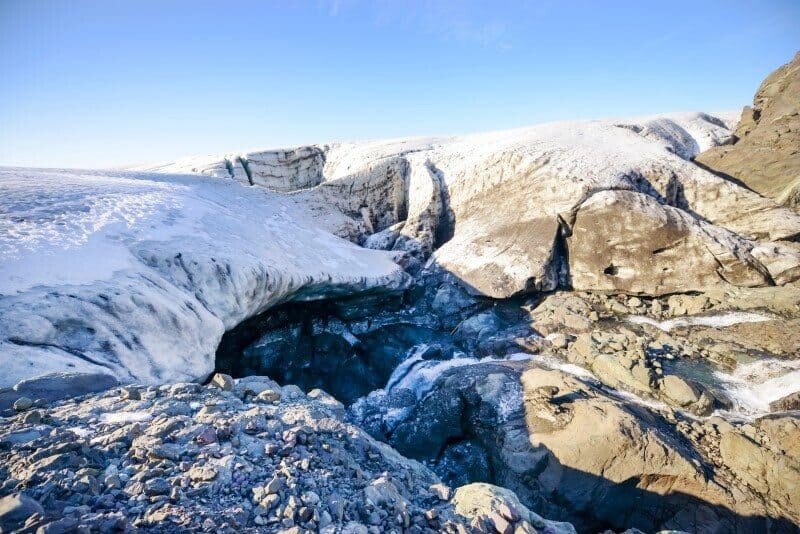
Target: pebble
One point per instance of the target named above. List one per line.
(223, 382)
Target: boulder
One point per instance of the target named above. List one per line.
(486, 500)
(16, 509)
(680, 390)
(789, 402)
(626, 241)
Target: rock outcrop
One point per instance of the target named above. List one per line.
(571, 450)
(765, 155)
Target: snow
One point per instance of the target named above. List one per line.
(714, 321)
(420, 375)
(119, 418)
(138, 275)
(753, 386)
(80, 431)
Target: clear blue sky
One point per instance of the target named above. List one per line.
(111, 82)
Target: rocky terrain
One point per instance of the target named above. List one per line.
(573, 327)
(228, 456)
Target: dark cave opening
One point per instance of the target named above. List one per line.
(346, 347)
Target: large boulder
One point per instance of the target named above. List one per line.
(502, 507)
(626, 241)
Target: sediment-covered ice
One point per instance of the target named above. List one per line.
(499, 209)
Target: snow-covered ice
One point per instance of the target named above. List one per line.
(139, 275)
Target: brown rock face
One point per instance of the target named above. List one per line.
(627, 241)
(766, 155)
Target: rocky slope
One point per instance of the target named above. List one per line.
(577, 312)
(765, 154)
(230, 456)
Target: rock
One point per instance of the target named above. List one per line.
(156, 486)
(65, 525)
(680, 390)
(789, 402)
(471, 332)
(442, 491)
(450, 302)
(329, 401)
(584, 446)
(16, 509)
(33, 417)
(764, 153)
(269, 395)
(204, 473)
(773, 471)
(321, 473)
(253, 385)
(167, 451)
(501, 524)
(223, 382)
(623, 373)
(558, 341)
(382, 492)
(273, 486)
(22, 404)
(130, 393)
(617, 233)
(562, 311)
(485, 500)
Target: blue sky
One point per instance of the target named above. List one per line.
(103, 83)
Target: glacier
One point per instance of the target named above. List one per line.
(138, 275)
